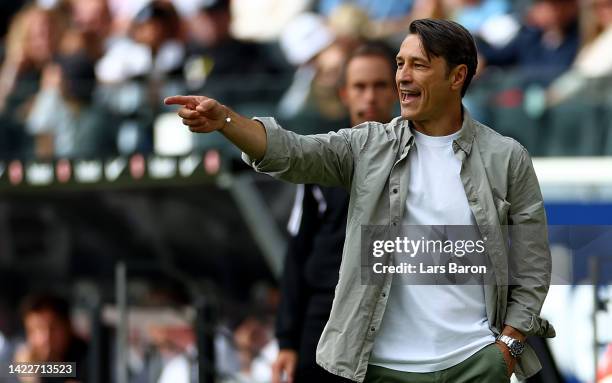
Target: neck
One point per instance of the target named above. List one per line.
(444, 125)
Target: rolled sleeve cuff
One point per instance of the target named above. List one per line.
(275, 150)
(528, 323)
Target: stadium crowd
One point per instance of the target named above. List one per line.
(86, 78)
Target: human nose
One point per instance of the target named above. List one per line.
(403, 75)
(370, 94)
(41, 337)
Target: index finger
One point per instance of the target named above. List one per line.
(181, 100)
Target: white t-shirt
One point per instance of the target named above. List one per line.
(429, 328)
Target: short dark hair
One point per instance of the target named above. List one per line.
(370, 49)
(37, 303)
(449, 40)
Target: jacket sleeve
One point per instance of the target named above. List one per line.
(325, 159)
(529, 257)
(294, 289)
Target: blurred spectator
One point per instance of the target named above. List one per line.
(489, 20)
(63, 120)
(303, 42)
(472, 14)
(176, 347)
(545, 45)
(350, 25)
(138, 70)
(153, 49)
(33, 39)
(50, 336)
(222, 66)
(395, 30)
(122, 14)
(214, 54)
(253, 335)
(595, 57)
(256, 348)
(386, 19)
(91, 19)
(324, 96)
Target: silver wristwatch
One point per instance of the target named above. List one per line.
(515, 346)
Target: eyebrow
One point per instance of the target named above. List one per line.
(414, 58)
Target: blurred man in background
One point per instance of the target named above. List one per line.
(545, 45)
(212, 52)
(63, 120)
(50, 336)
(318, 225)
(153, 49)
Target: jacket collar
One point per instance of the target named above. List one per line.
(468, 131)
(463, 142)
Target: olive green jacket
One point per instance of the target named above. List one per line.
(371, 160)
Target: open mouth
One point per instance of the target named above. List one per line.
(408, 95)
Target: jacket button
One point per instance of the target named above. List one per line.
(383, 295)
(372, 329)
(395, 191)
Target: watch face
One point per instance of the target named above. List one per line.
(516, 348)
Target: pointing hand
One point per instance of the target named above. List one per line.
(201, 114)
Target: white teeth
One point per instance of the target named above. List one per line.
(406, 95)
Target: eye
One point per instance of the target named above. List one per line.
(381, 85)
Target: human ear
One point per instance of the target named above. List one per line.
(458, 76)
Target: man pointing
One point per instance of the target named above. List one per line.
(432, 165)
